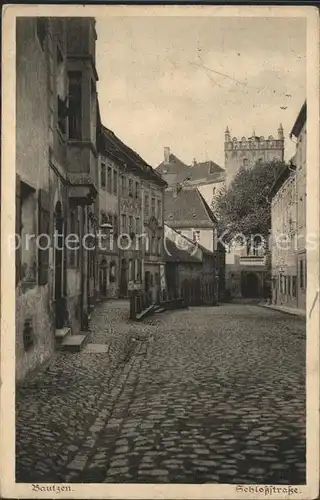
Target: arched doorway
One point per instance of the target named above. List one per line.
(58, 267)
(103, 277)
(250, 285)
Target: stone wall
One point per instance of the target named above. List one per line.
(33, 307)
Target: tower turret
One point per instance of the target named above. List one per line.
(227, 136)
(280, 132)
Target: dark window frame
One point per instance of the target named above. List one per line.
(75, 105)
(103, 175)
(109, 179)
(130, 187)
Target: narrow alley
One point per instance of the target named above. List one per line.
(192, 396)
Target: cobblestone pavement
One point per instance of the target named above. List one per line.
(56, 408)
(205, 395)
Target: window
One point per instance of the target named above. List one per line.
(288, 285)
(26, 223)
(139, 270)
(196, 236)
(123, 223)
(115, 225)
(147, 244)
(294, 286)
(305, 274)
(109, 180)
(159, 214)
(137, 190)
(123, 185)
(75, 105)
(130, 187)
(245, 162)
(61, 98)
(112, 272)
(136, 269)
(281, 284)
(154, 245)
(130, 224)
(131, 270)
(93, 110)
(159, 246)
(103, 175)
(137, 229)
(301, 274)
(115, 182)
(146, 205)
(153, 206)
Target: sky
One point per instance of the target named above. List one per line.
(160, 83)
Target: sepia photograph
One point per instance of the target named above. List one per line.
(164, 273)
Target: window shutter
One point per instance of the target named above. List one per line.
(44, 229)
(18, 227)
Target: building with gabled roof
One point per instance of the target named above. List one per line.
(189, 269)
(207, 176)
(188, 213)
(131, 202)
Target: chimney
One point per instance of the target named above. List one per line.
(166, 155)
(194, 162)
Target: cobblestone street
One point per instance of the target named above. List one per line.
(191, 396)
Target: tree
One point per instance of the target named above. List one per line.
(243, 207)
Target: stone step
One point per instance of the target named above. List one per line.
(145, 312)
(159, 310)
(74, 343)
(62, 334)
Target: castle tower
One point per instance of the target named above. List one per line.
(247, 151)
(280, 132)
(227, 136)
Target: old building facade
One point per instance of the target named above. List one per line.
(247, 271)
(188, 269)
(288, 225)
(108, 217)
(248, 151)
(283, 238)
(56, 162)
(299, 133)
(187, 212)
(131, 197)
